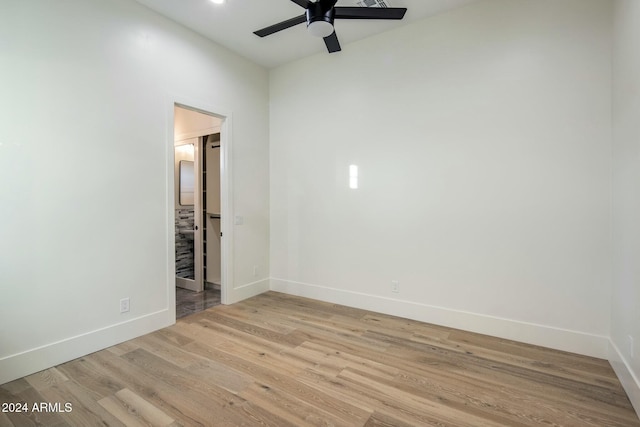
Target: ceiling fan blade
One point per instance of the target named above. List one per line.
(370, 12)
(333, 45)
(302, 3)
(281, 26)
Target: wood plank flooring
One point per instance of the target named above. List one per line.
(278, 360)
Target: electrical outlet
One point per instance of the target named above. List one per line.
(255, 271)
(395, 286)
(124, 305)
(631, 347)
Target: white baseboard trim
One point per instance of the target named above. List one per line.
(34, 360)
(545, 336)
(249, 290)
(630, 382)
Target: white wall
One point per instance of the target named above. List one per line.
(625, 308)
(483, 141)
(86, 173)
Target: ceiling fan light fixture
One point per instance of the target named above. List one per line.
(320, 15)
(320, 28)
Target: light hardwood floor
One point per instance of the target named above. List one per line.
(278, 360)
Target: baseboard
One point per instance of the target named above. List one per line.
(629, 381)
(545, 336)
(248, 290)
(28, 362)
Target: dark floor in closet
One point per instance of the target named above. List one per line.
(189, 302)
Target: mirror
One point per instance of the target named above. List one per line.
(187, 183)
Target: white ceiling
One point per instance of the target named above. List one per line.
(233, 23)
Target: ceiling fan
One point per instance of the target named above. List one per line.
(320, 15)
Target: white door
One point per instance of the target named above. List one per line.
(188, 227)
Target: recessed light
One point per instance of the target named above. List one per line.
(217, 1)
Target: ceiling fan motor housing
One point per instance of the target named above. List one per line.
(321, 12)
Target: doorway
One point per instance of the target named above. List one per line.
(198, 210)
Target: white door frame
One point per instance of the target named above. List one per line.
(226, 199)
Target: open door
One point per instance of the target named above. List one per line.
(188, 238)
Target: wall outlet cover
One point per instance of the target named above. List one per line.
(124, 305)
(395, 286)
